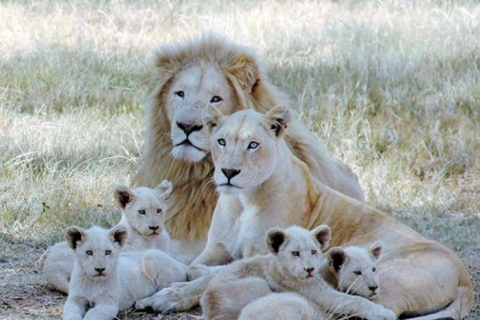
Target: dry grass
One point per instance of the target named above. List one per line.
(391, 87)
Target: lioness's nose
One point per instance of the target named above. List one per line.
(230, 173)
(154, 228)
(189, 128)
(374, 288)
(100, 270)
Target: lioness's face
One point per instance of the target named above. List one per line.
(96, 249)
(190, 92)
(244, 150)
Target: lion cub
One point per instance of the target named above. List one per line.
(294, 264)
(104, 280)
(352, 269)
(143, 215)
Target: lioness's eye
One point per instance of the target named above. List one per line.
(222, 142)
(108, 252)
(216, 99)
(89, 252)
(314, 252)
(159, 210)
(141, 211)
(296, 253)
(374, 269)
(253, 145)
(358, 273)
(181, 94)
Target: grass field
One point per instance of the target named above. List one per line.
(391, 87)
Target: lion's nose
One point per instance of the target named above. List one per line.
(230, 173)
(373, 289)
(99, 270)
(189, 128)
(309, 270)
(154, 228)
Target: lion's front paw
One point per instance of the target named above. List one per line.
(381, 313)
(172, 299)
(197, 271)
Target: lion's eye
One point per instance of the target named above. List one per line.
(296, 253)
(141, 211)
(374, 269)
(108, 252)
(358, 273)
(314, 252)
(180, 94)
(89, 253)
(222, 142)
(253, 145)
(159, 210)
(216, 99)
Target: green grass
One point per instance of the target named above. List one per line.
(391, 87)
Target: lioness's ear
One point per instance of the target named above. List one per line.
(164, 189)
(212, 117)
(323, 235)
(278, 119)
(118, 234)
(336, 257)
(244, 68)
(74, 235)
(376, 249)
(123, 196)
(275, 238)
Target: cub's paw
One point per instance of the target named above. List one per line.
(381, 313)
(197, 271)
(175, 298)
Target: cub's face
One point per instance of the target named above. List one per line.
(244, 148)
(144, 208)
(96, 249)
(299, 251)
(190, 92)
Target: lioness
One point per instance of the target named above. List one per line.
(293, 263)
(104, 280)
(255, 167)
(177, 145)
(143, 215)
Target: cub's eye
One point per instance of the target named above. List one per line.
(314, 252)
(222, 142)
(89, 253)
(141, 211)
(216, 99)
(374, 269)
(296, 253)
(108, 252)
(159, 210)
(358, 273)
(253, 145)
(180, 94)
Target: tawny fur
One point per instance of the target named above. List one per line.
(418, 276)
(243, 84)
(58, 260)
(104, 280)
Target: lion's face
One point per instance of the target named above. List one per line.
(244, 148)
(96, 249)
(190, 92)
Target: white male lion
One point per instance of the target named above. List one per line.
(255, 167)
(143, 215)
(104, 280)
(294, 264)
(177, 145)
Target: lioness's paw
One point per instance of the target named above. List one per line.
(381, 313)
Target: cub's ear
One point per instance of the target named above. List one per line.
(164, 189)
(278, 119)
(123, 196)
(337, 257)
(376, 249)
(118, 234)
(323, 235)
(75, 236)
(275, 238)
(212, 117)
(244, 68)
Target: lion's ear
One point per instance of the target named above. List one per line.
(118, 234)
(336, 257)
(278, 120)
(123, 196)
(244, 68)
(375, 250)
(74, 235)
(212, 117)
(164, 189)
(275, 238)
(323, 235)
